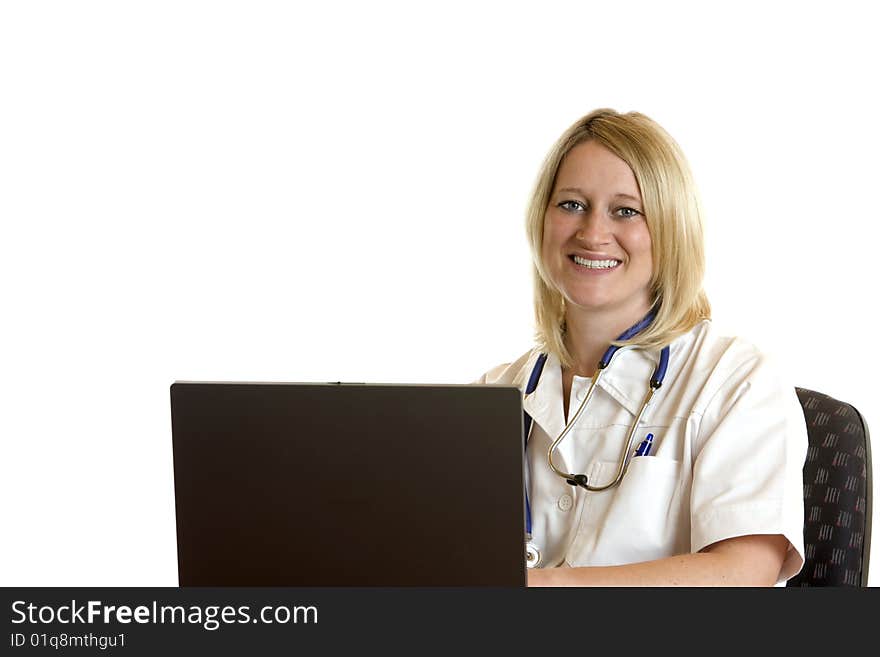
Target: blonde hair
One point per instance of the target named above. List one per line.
(673, 215)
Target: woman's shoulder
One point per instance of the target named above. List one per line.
(514, 372)
(713, 359)
(712, 346)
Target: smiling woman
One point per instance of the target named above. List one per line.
(596, 245)
(639, 161)
(712, 495)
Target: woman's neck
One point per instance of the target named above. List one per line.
(588, 334)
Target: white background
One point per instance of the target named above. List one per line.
(335, 191)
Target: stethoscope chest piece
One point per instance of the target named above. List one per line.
(533, 556)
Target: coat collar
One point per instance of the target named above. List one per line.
(545, 403)
(625, 381)
(628, 376)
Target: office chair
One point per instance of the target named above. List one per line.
(837, 494)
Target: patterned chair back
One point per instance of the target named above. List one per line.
(837, 494)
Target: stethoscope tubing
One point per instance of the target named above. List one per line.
(625, 457)
(655, 383)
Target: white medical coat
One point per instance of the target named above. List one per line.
(727, 456)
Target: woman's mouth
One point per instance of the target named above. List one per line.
(595, 264)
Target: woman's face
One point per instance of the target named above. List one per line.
(597, 249)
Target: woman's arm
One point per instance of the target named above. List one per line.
(742, 561)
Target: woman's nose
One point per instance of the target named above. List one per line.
(594, 228)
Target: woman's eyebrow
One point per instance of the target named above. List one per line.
(578, 190)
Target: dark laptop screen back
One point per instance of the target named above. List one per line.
(348, 485)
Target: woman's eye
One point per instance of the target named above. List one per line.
(627, 212)
(571, 206)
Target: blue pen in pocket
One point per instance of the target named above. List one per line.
(645, 446)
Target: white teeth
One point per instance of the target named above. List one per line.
(595, 264)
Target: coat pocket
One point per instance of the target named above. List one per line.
(638, 520)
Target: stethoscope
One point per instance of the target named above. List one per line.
(533, 555)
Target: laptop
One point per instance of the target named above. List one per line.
(347, 484)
